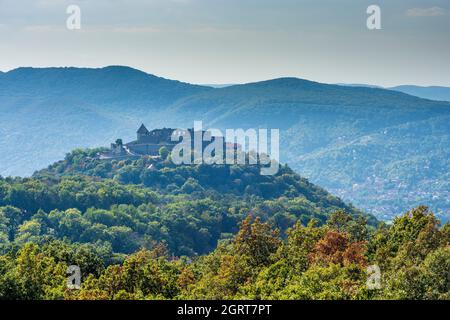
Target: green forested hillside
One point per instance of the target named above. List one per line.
(382, 150)
(122, 206)
(314, 262)
(147, 229)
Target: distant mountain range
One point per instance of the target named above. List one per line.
(432, 92)
(385, 151)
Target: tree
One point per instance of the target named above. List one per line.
(436, 274)
(300, 243)
(39, 275)
(257, 241)
(15, 217)
(446, 233)
(163, 153)
(4, 228)
(336, 248)
(339, 220)
(29, 231)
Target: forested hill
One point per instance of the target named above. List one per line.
(122, 206)
(384, 151)
(113, 84)
(199, 180)
(146, 229)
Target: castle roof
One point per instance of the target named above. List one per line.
(142, 130)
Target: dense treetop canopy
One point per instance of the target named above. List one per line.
(147, 229)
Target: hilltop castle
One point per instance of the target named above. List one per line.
(148, 143)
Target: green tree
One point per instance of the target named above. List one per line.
(257, 241)
(15, 217)
(164, 153)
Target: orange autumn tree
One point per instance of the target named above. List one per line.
(336, 248)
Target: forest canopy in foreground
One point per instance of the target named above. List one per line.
(147, 229)
(326, 262)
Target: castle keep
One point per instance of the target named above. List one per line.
(147, 143)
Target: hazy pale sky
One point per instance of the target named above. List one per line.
(235, 41)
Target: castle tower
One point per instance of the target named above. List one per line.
(142, 132)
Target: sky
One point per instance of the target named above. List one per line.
(236, 41)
